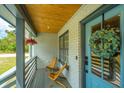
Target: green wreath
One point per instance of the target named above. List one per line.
(104, 43)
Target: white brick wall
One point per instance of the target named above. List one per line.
(73, 25)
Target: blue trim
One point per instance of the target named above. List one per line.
(88, 29)
(122, 49)
(98, 12)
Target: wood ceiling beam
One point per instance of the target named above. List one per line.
(26, 16)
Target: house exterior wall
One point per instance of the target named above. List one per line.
(45, 48)
(73, 26)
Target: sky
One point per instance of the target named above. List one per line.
(4, 26)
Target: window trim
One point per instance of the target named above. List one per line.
(62, 35)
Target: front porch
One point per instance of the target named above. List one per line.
(34, 78)
(59, 32)
(33, 72)
(41, 80)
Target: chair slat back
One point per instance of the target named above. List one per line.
(53, 62)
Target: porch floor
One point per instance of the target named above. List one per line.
(41, 80)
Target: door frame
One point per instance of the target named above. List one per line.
(95, 14)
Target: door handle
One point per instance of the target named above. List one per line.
(86, 71)
(86, 60)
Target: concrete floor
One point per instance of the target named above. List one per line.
(41, 80)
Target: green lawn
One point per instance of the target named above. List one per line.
(6, 63)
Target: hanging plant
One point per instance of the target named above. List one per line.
(31, 41)
(104, 43)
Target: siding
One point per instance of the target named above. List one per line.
(73, 25)
(46, 48)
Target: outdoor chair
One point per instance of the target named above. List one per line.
(54, 76)
(52, 64)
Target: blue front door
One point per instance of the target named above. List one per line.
(101, 72)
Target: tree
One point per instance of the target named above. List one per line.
(8, 43)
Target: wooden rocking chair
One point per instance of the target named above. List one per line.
(52, 65)
(54, 76)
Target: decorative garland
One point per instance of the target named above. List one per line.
(104, 43)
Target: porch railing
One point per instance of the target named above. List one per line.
(30, 69)
(8, 79)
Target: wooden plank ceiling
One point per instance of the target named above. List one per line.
(50, 17)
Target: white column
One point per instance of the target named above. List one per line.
(30, 51)
(20, 53)
(30, 48)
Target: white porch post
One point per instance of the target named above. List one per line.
(30, 51)
(20, 53)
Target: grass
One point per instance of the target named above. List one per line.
(6, 63)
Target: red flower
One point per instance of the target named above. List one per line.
(31, 41)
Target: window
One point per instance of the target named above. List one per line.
(111, 67)
(63, 48)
